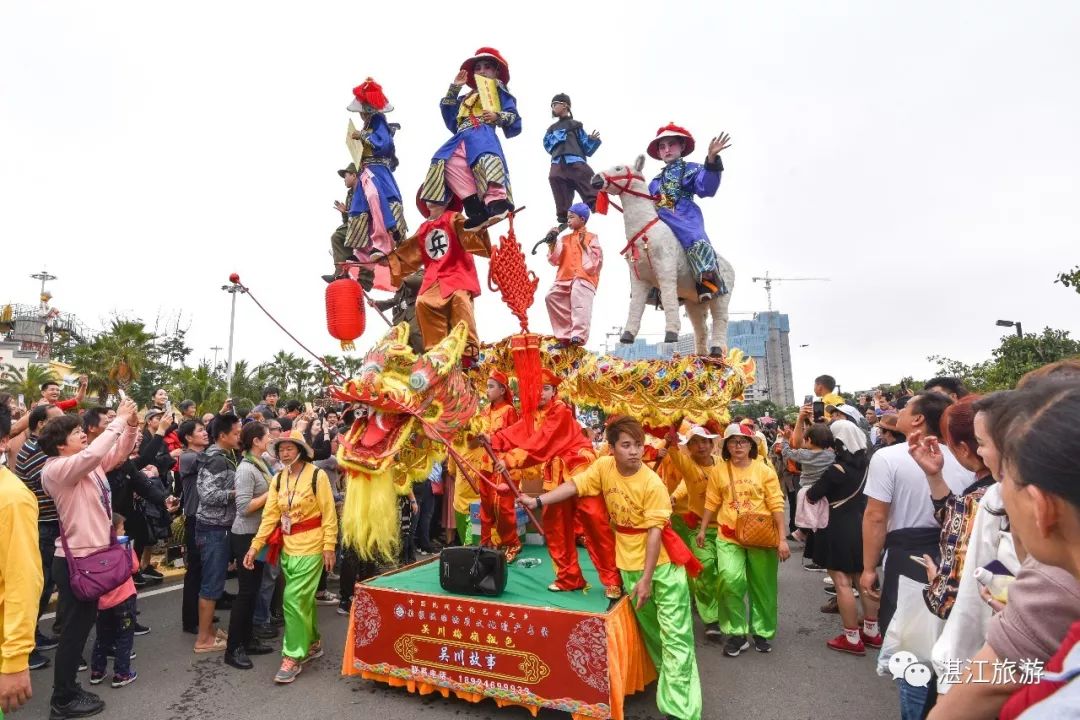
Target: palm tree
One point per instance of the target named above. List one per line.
(116, 357)
(28, 384)
(201, 386)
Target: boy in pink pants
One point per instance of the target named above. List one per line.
(578, 257)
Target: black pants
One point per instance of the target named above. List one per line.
(189, 612)
(425, 501)
(353, 570)
(116, 635)
(793, 501)
(79, 617)
(564, 180)
(48, 531)
(243, 607)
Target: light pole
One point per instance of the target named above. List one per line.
(1012, 323)
(233, 289)
(44, 277)
(216, 349)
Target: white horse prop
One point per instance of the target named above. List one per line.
(656, 259)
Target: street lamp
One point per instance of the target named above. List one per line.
(1011, 323)
(233, 289)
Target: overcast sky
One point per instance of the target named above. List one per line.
(924, 156)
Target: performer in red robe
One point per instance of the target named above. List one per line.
(553, 438)
(497, 510)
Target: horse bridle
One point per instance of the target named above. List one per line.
(629, 177)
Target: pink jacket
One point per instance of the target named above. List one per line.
(80, 489)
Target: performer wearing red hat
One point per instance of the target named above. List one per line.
(470, 165)
(444, 248)
(553, 438)
(376, 215)
(498, 510)
(675, 188)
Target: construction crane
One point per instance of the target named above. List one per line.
(768, 281)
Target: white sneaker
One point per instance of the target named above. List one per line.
(827, 580)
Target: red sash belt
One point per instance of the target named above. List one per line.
(276, 541)
(673, 544)
(692, 520)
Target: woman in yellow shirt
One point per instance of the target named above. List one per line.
(299, 521)
(650, 558)
(744, 571)
(694, 464)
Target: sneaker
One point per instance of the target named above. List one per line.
(97, 677)
(152, 572)
(828, 581)
(342, 610)
(82, 704)
(83, 666)
(45, 642)
(762, 645)
(712, 630)
(871, 641)
(288, 671)
(119, 680)
(139, 579)
(141, 629)
(735, 645)
(332, 576)
(112, 655)
(840, 643)
(830, 606)
(813, 567)
(315, 651)
(326, 598)
(37, 660)
(277, 620)
(830, 590)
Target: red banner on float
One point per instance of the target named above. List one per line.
(520, 654)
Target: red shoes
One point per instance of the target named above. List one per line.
(840, 644)
(870, 642)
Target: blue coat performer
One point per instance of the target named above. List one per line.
(376, 215)
(674, 190)
(470, 165)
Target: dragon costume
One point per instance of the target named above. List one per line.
(413, 403)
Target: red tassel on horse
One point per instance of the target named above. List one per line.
(345, 320)
(602, 203)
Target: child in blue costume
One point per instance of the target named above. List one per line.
(471, 165)
(376, 215)
(674, 189)
(570, 147)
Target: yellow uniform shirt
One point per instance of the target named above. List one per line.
(757, 490)
(464, 495)
(20, 572)
(638, 501)
(693, 480)
(293, 495)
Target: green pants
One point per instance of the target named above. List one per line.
(464, 528)
(705, 587)
(668, 630)
(298, 602)
(747, 571)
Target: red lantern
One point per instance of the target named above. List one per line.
(345, 311)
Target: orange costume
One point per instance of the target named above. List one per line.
(444, 249)
(498, 509)
(552, 438)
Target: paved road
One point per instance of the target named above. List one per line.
(799, 680)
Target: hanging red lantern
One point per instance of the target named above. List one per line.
(345, 311)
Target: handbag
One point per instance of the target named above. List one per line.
(470, 570)
(815, 515)
(99, 572)
(753, 529)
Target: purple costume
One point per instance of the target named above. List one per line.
(675, 188)
(379, 159)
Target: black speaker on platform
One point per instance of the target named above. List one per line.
(472, 570)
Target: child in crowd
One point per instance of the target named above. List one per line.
(116, 626)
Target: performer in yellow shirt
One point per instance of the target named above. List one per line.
(693, 464)
(464, 493)
(299, 522)
(743, 485)
(651, 558)
(20, 580)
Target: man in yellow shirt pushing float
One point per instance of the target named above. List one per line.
(651, 558)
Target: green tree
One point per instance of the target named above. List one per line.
(1070, 278)
(28, 384)
(200, 385)
(1011, 360)
(117, 358)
